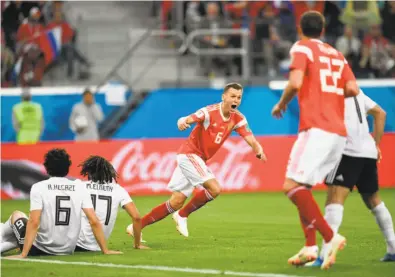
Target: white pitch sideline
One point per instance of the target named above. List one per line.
(158, 268)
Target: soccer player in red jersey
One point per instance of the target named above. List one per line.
(322, 78)
(214, 124)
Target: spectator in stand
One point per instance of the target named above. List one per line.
(286, 20)
(361, 15)
(7, 61)
(30, 29)
(237, 12)
(69, 47)
(388, 16)
(266, 36)
(85, 117)
(32, 66)
(11, 18)
(350, 46)
(46, 11)
(213, 21)
(333, 25)
(376, 53)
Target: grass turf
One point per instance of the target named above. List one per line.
(237, 232)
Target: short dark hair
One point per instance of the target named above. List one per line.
(98, 169)
(57, 162)
(312, 24)
(86, 91)
(236, 86)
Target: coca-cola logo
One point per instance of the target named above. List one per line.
(142, 169)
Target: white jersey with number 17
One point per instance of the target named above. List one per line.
(106, 198)
(61, 202)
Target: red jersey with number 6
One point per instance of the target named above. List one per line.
(321, 97)
(211, 131)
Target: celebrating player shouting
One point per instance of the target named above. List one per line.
(214, 124)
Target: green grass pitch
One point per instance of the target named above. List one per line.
(236, 232)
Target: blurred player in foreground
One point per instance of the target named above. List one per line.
(358, 167)
(106, 197)
(214, 124)
(56, 205)
(323, 78)
(13, 231)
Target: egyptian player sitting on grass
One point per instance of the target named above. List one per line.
(107, 196)
(56, 206)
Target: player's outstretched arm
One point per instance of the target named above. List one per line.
(185, 122)
(256, 147)
(31, 231)
(133, 212)
(98, 231)
(294, 84)
(379, 117)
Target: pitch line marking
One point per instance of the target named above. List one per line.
(159, 268)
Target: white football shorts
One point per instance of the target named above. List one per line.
(191, 171)
(314, 154)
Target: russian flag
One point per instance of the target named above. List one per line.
(50, 42)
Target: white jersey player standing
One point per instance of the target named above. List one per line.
(358, 167)
(56, 206)
(107, 196)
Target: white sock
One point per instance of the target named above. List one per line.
(384, 220)
(6, 228)
(334, 217)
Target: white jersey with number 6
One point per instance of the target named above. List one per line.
(106, 199)
(61, 202)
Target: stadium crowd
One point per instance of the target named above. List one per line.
(361, 30)
(26, 51)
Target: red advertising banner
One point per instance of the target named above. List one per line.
(146, 166)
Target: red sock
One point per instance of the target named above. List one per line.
(198, 201)
(309, 232)
(309, 210)
(157, 213)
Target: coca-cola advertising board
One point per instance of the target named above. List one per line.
(145, 166)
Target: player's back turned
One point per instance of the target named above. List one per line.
(322, 78)
(56, 206)
(321, 95)
(106, 199)
(62, 201)
(107, 196)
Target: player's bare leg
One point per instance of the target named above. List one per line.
(211, 191)
(384, 220)
(308, 209)
(17, 215)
